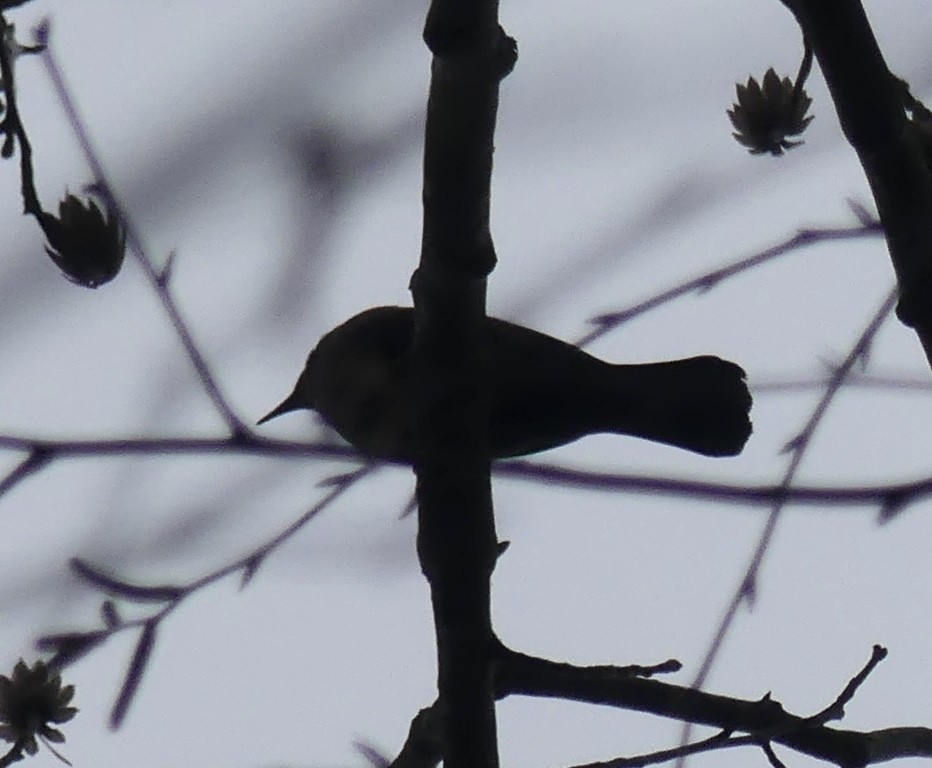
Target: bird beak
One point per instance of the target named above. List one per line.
(290, 403)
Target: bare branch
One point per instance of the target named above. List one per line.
(871, 111)
(797, 447)
(609, 321)
(887, 382)
(156, 275)
(836, 710)
(876, 495)
(764, 721)
(134, 673)
(70, 646)
(38, 457)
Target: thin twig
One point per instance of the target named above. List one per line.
(35, 461)
(836, 710)
(718, 741)
(764, 721)
(772, 758)
(876, 495)
(133, 237)
(608, 321)
(797, 447)
(858, 381)
(175, 595)
(743, 495)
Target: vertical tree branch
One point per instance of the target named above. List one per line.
(871, 112)
(456, 529)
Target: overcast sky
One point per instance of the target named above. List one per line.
(616, 176)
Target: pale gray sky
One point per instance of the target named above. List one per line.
(616, 176)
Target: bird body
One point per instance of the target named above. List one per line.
(542, 392)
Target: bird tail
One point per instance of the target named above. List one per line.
(701, 404)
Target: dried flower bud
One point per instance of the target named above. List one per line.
(86, 247)
(764, 117)
(30, 699)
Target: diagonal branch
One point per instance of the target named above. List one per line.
(797, 448)
(608, 321)
(871, 112)
(67, 647)
(156, 276)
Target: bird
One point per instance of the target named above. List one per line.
(542, 392)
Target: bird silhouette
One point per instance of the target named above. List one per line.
(542, 392)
